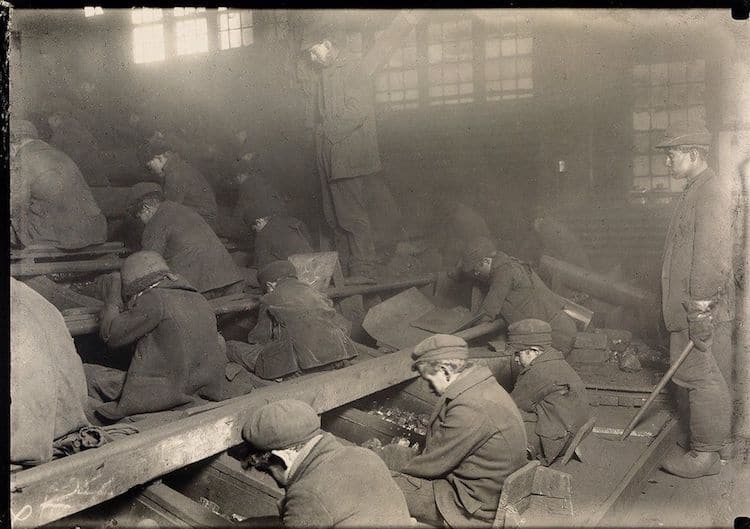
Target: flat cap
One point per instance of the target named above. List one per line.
(441, 347)
(476, 250)
(276, 270)
(141, 190)
(21, 128)
(529, 332)
(281, 424)
(683, 134)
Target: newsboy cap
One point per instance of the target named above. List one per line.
(21, 128)
(477, 250)
(684, 134)
(441, 347)
(276, 270)
(140, 190)
(529, 332)
(281, 424)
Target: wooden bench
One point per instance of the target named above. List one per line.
(533, 486)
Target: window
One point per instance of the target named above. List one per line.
(664, 94)
(148, 35)
(277, 25)
(507, 67)
(449, 57)
(191, 30)
(235, 28)
(396, 83)
(92, 11)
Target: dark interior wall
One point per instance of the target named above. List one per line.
(500, 157)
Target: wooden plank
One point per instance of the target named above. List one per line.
(50, 252)
(65, 486)
(64, 267)
(358, 426)
(182, 507)
(62, 296)
(627, 488)
(345, 292)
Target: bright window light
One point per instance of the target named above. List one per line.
(148, 43)
(144, 15)
(91, 11)
(235, 28)
(192, 36)
(187, 11)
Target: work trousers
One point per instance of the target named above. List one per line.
(345, 211)
(708, 398)
(420, 498)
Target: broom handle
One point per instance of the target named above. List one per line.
(663, 382)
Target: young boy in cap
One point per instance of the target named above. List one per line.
(327, 484)
(697, 272)
(172, 329)
(549, 393)
(297, 330)
(187, 243)
(516, 292)
(475, 439)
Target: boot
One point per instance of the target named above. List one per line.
(693, 464)
(727, 452)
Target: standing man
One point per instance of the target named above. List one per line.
(475, 440)
(345, 137)
(697, 272)
(327, 484)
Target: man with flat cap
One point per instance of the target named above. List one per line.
(298, 329)
(186, 241)
(549, 393)
(327, 484)
(515, 292)
(50, 202)
(475, 440)
(698, 299)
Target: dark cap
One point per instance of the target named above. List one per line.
(685, 134)
(529, 333)
(276, 270)
(281, 424)
(441, 347)
(477, 250)
(142, 190)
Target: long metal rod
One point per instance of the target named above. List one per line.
(663, 382)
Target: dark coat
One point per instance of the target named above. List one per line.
(177, 354)
(342, 486)
(550, 389)
(299, 329)
(475, 440)
(698, 251)
(516, 293)
(345, 119)
(51, 202)
(281, 237)
(190, 247)
(187, 186)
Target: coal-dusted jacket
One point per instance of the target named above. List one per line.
(190, 247)
(281, 237)
(298, 329)
(187, 186)
(550, 389)
(698, 252)
(475, 440)
(50, 201)
(342, 486)
(177, 354)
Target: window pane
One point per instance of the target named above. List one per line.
(695, 93)
(247, 36)
(678, 95)
(660, 183)
(697, 70)
(697, 115)
(641, 73)
(234, 21)
(411, 94)
(492, 71)
(677, 72)
(508, 47)
(641, 120)
(525, 84)
(641, 142)
(640, 165)
(410, 78)
(659, 96)
(192, 36)
(148, 43)
(224, 40)
(524, 46)
(641, 184)
(641, 96)
(235, 38)
(659, 166)
(492, 48)
(523, 65)
(508, 68)
(509, 84)
(659, 120)
(247, 18)
(396, 80)
(677, 116)
(223, 22)
(381, 82)
(659, 74)
(434, 53)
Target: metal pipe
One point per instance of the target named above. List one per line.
(597, 285)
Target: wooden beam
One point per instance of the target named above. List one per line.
(66, 486)
(345, 292)
(51, 252)
(24, 269)
(61, 296)
(182, 507)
